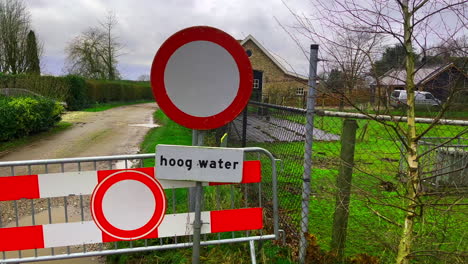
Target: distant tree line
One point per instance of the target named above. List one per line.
(19, 50)
(92, 54)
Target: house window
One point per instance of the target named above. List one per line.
(256, 83)
(300, 91)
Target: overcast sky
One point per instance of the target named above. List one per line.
(143, 25)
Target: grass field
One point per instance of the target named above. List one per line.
(375, 216)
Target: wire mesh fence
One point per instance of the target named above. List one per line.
(278, 130)
(377, 206)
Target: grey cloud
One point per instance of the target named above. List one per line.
(145, 24)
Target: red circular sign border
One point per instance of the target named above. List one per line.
(201, 33)
(106, 227)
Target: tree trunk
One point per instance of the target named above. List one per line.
(412, 176)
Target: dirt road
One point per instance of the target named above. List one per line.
(115, 131)
(112, 132)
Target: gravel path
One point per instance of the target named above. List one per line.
(112, 132)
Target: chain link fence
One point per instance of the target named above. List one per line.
(376, 209)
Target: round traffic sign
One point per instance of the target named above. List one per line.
(128, 205)
(201, 78)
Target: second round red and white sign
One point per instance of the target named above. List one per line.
(128, 205)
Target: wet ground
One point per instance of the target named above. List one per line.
(112, 132)
(271, 129)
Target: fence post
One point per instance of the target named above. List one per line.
(197, 140)
(308, 152)
(244, 126)
(196, 200)
(343, 183)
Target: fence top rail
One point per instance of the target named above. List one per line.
(364, 116)
(280, 107)
(392, 118)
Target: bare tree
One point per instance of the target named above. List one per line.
(352, 53)
(414, 24)
(94, 53)
(112, 47)
(14, 28)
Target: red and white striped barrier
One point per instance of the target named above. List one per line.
(88, 182)
(79, 233)
(83, 182)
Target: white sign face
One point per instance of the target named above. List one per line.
(202, 78)
(199, 163)
(128, 204)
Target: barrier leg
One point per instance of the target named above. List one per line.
(252, 252)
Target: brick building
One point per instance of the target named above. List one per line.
(272, 81)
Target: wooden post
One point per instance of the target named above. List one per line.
(343, 183)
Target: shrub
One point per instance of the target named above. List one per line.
(26, 115)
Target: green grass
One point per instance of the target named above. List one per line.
(376, 162)
(227, 254)
(169, 132)
(107, 106)
(13, 144)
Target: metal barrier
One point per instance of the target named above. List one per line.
(75, 208)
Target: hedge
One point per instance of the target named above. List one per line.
(77, 96)
(49, 86)
(26, 115)
(101, 91)
(78, 92)
(69, 89)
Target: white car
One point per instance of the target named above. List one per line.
(423, 100)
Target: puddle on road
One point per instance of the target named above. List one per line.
(150, 124)
(144, 125)
(58, 216)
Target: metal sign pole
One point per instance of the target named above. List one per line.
(308, 152)
(197, 140)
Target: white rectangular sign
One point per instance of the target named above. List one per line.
(199, 163)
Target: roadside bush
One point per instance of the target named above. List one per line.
(26, 115)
